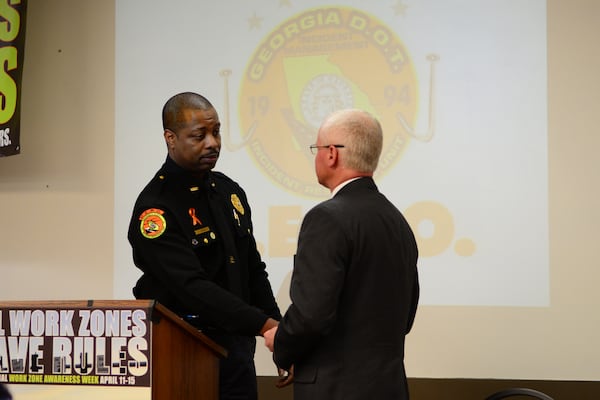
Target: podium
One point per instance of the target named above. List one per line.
(104, 347)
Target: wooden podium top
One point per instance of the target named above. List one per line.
(156, 310)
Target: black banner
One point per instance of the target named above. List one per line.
(75, 346)
(12, 48)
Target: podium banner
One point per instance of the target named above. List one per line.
(75, 345)
(12, 49)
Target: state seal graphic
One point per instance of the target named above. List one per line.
(310, 65)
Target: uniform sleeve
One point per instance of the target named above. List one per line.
(166, 255)
(413, 304)
(261, 292)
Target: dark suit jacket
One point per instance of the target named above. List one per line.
(354, 295)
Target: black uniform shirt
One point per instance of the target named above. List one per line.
(193, 241)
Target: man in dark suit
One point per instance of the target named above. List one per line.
(354, 287)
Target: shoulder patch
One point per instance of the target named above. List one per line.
(152, 224)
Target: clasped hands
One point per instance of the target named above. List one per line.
(285, 377)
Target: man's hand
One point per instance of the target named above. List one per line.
(270, 338)
(269, 323)
(285, 380)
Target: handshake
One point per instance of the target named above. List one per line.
(285, 377)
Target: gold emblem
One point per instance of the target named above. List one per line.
(235, 200)
(309, 66)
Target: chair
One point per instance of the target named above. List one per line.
(503, 394)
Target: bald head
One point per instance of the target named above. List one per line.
(173, 111)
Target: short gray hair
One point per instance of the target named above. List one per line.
(361, 134)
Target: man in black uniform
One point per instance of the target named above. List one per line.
(191, 234)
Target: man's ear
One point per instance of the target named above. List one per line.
(333, 155)
(169, 136)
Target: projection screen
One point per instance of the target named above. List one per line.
(458, 85)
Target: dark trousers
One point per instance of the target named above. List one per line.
(237, 373)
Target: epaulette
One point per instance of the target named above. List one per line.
(157, 183)
(216, 175)
(219, 178)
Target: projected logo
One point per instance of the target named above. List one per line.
(316, 62)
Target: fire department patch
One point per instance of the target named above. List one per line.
(153, 224)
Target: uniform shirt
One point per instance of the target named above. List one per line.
(192, 238)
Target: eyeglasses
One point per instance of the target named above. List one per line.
(314, 148)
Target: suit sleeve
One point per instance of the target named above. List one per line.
(317, 281)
